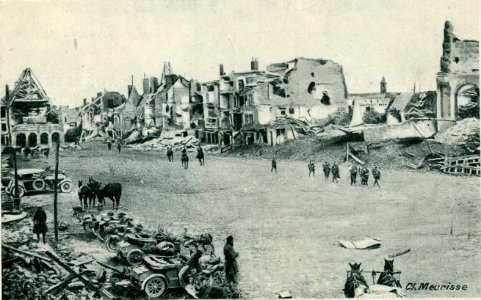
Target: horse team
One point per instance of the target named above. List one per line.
(356, 284)
(95, 190)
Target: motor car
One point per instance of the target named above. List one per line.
(38, 180)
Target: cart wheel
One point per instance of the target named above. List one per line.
(88, 226)
(183, 280)
(155, 286)
(134, 257)
(20, 191)
(112, 243)
(66, 187)
(102, 235)
(38, 184)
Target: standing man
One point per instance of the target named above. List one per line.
(119, 146)
(335, 172)
(274, 165)
(312, 168)
(184, 158)
(377, 176)
(230, 265)
(353, 175)
(365, 176)
(200, 155)
(327, 169)
(40, 223)
(109, 145)
(170, 154)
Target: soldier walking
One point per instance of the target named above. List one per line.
(327, 169)
(335, 172)
(365, 176)
(170, 154)
(377, 176)
(274, 165)
(353, 172)
(312, 168)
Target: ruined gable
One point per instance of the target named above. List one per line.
(308, 81)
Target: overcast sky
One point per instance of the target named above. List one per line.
(78, 48)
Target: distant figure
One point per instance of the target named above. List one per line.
(335, 172)
(119, 146)
(312, 168)
(353, 172)
(200, 155)
(109, 145)
(170, 154)
(46, 152)
(40, 223)
(184, 158)
(327, 169)
(377, 176)
(364, 176)
(26, 151)
(274, 165)
(230, 266)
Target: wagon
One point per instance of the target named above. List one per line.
(131, 249)
(38, 180)
(158, 274)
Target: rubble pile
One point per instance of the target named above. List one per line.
(464, 135)
(72, 146)
(162, 143)
(28, 273)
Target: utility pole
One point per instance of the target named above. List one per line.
(16, 198)
(7, 100)
(55, 188)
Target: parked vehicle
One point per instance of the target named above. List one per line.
(37, 180)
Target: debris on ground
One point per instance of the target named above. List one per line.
(71, 146)
(28, 273)
(464, 135)
(366, 243)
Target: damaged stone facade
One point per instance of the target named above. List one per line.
(458, 80)
(101, 117)
(28, 118)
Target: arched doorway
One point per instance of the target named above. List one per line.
(44, 138)
(32, 140)
(21, 140)
(467, 101)
(55, 137)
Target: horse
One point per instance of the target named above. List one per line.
(110, 190)
(387, 277)
(355, 284)
(84, 193)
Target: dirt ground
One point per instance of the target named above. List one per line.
(286, 225)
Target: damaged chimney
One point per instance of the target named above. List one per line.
(254, 64)
(221, 70)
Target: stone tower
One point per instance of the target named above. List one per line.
(383, 85)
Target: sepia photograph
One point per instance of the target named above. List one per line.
(217, 149)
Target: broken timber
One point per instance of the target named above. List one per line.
(87, 282)
(25, 252)
(349, 154)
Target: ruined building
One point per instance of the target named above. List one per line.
(28, 117)
(457, 82)
(101, 116)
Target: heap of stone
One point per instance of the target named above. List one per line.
(464, 135)
(28, 273)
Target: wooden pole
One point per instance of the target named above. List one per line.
(7, 100)
(16, 198)
(55, 192)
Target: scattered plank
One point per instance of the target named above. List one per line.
(25, 252)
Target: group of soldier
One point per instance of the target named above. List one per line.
(184, 158)
(334, 170)
(353, 172)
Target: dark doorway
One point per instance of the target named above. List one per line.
(32, 140)
(55, 137)
(21, 140)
